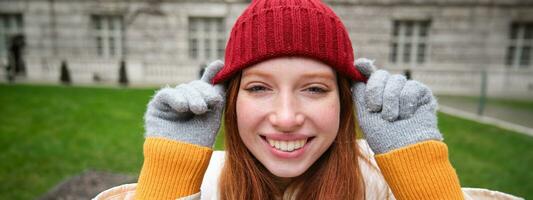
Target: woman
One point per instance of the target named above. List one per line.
(289, 90)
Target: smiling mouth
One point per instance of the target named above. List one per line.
(287, 145)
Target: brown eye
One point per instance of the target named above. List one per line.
(317, 90)
(256, 88)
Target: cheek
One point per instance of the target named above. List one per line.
(326, 116)
(249, 115)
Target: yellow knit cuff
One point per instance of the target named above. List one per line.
(420, 171)
(171, 169)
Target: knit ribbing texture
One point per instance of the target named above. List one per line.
(420, 171)
(275, 28)
(169, 171)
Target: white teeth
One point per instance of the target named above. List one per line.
(291, 145)
(287, 146)
(284, 145)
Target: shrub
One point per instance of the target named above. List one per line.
(65, 73)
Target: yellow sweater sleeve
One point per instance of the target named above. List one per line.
(420, 171)
(171, 169)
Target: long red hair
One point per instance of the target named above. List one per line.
(335, 175)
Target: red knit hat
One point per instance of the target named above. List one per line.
(275, 28)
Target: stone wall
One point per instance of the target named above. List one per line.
(465, 37)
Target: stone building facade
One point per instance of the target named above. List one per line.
(447, 44)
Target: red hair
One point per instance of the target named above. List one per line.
(335, 175)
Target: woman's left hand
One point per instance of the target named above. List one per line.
(393, 112)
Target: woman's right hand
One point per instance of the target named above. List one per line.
(189, 112)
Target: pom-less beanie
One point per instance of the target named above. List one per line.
(275, 28)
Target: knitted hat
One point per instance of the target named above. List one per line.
(275, 28)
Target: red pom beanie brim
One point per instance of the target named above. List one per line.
(275, 28)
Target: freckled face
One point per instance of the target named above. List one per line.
(288, 112)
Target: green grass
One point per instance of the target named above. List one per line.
(489, 157)
(49, 133)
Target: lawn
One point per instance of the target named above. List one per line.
(49, 133)
(489, 157)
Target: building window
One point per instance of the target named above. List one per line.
(519, 51)
(11, 25)
(206, 38)
(409, 41)
(108, 31)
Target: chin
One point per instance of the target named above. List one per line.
(287, 171)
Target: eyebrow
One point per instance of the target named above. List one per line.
(255, 73)
(319, 75)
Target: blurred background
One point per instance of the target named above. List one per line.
(76, 75)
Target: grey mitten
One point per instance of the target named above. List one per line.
(393, 112)
(189, 112)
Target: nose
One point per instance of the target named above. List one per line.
(286, 115)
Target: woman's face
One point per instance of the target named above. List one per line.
(288, 112)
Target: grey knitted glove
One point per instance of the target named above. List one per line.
(393, 112)
(189, 112)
